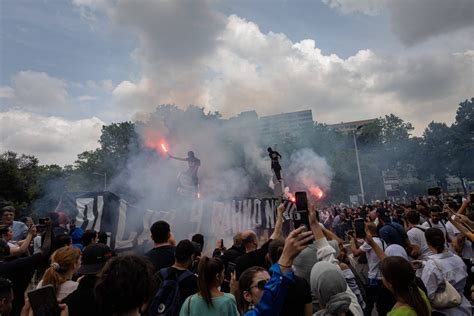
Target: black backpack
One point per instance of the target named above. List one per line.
(167, 298)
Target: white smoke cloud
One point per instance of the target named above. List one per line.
(310, 170)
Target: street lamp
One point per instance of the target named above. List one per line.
(358, 164)
(105, 178)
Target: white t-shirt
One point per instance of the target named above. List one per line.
(417, 237)
(373, 260)
(440, 225)
(467, 251)
(396, 250)
(64, 289)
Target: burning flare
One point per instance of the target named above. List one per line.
(317, 192)
(163, 146)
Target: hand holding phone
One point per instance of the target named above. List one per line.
(43, 301)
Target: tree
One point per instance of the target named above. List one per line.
(462, 150)
(18, 180)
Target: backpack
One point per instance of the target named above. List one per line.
(166, 301)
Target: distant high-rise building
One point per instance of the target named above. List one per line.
(285, 124)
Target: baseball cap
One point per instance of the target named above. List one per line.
(94, 258)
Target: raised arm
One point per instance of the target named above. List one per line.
(464, 205)
(378, 251)
(279, 222)
(462, 229)
(24, 243)
(177, 158)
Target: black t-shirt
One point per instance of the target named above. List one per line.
(187, 287)
(251, 259)
(20, 271)
(161, 257)
(299, 294)
(82, 301)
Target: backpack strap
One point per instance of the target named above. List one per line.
(164, 273)
(184, 275)
(420, 228)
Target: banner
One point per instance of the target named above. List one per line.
(129, 227)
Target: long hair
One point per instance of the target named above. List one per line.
(62, 260)
(245, 282)
(400, 274)
(207, 270)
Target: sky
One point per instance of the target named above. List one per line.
(67, 67)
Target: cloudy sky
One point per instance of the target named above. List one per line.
(69, 66)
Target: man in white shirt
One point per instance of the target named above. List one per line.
(374, 275)
(416, 233)
(435, 221)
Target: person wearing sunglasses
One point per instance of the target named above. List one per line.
(260, 294)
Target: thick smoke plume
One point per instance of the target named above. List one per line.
(310, 172)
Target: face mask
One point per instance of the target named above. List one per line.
(376, 222)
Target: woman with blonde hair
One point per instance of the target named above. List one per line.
(64, 263)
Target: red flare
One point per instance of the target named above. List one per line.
(317, 192)
(163, 146)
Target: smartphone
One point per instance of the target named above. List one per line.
(43, 301)
(300, 215)
(359, 227)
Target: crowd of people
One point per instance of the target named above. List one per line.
(406, 259)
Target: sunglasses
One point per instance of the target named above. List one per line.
(260, 284)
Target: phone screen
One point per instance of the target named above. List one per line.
(300, 215)
(359, 226)
(43, 301)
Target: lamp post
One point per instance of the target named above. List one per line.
(105, 178)
(358, 164)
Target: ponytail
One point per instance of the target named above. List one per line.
(62, 260)
(207, 270)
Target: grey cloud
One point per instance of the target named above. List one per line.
(178, 31)
(417, 21)
(414, 21)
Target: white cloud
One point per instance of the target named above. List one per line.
(7, 92)
(37, 91)
(86, 98)
(51, 139)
